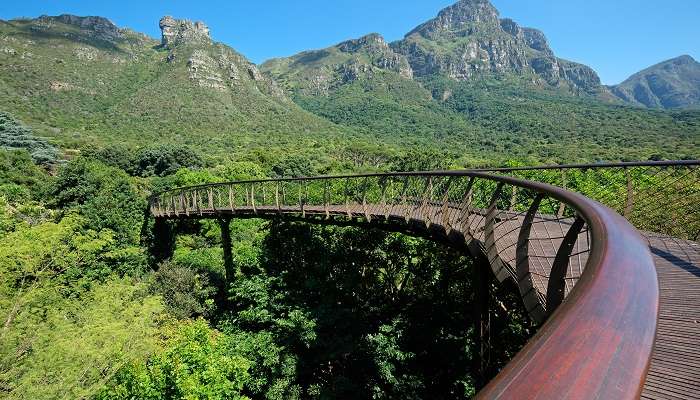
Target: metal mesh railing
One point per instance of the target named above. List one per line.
(523, 231)
(656, 197)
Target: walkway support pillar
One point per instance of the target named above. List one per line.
(482, 317)
(162, 241)
(225, 224)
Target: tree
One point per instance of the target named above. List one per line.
(423, 160)
(193, 365)
(15, 136)
(293, 166)
(17, 167)
(118, 155)
(105, 195)
(66, 323)
(165, 160)
(186, 292)
(240, 171)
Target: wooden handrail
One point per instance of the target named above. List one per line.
(598, 343)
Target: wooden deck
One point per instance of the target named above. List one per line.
(675, 365)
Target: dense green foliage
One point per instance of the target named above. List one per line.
(99, 301)
(314, 312)
(196, 364)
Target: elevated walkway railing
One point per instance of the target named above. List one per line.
(659, 197)
(579, 265)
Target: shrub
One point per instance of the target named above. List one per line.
(185, 292)
(195, 365)
(15, 136)
(165, 160)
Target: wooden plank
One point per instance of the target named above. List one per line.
(674, 372)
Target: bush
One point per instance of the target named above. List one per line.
(165, 160)
(194, 365)
(17, 167)
(105, 195)
(118, 156)
(185, 292)
(294, 166)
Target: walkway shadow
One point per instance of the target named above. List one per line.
(677, 261)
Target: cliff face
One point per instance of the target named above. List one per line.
(211, 65)
(671, 84)
(468, 40)
(175, 31)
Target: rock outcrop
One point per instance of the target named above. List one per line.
(462, 18)
(205, 71)
(380, 54)
(178, 31)
(98, 27)
(212, 65)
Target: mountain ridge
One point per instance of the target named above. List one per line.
(82, 76)
(670, 84)
(82, 81)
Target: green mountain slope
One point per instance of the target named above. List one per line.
(84, 79)
(671, 84)
(548, 124)
(364, 84)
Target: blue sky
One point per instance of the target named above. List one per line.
(615, 37)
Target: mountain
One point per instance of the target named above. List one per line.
(468, 40)
(474, 83)
(85, 79)
(466, 83)
(364, 84)
(465, 42)
(670, 84)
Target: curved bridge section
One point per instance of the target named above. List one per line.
(578, 264)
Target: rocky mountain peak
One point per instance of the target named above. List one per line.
(462, 16)
(468, 39)
(683, 60)
(370, 42)
(464, 11)
(177, 31)
(99, 27)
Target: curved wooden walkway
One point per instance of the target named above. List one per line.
(548, 242)
(675, 364)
